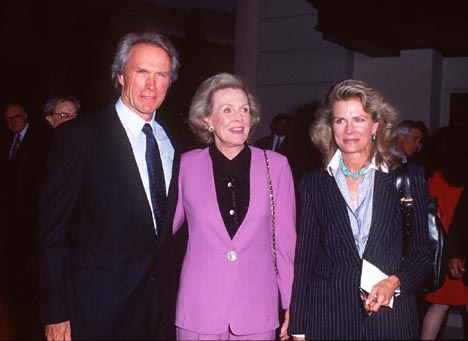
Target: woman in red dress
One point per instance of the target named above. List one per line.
(446, 183)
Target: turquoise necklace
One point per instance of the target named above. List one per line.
(347, 172)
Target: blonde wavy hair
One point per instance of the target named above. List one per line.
(374, 103)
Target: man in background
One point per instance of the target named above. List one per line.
(410, 137)
(278, 139)
(59, 109)
(24, 153)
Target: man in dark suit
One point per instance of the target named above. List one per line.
(278, 140)
(23, 153)
(107, 207)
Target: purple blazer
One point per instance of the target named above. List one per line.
(228, 282)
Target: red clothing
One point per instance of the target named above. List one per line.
(6, 328)
(453, 292)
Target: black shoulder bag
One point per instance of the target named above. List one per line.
(436, 232)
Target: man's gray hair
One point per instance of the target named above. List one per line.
(130, 40)
(52, 102)
(404, 128)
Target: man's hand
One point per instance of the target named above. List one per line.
(456, 267)
(59, 331)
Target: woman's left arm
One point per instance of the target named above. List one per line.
(418, 261)
(179, 215)
(285, 221)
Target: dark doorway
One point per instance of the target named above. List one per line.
(459, 109)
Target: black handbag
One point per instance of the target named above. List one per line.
(436, 231)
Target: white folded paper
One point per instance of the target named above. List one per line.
(371, 275)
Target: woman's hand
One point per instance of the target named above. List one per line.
(456, 267)
(284, 327)
(381, 294)
(58, 332)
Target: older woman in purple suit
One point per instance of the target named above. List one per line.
(239, 265)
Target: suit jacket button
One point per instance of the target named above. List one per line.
(232, 256)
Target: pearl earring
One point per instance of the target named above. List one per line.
(210, 129)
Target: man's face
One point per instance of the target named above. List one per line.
(64, 111)
(145, 80)
(16, 118)
(281, 127)
(410, 143)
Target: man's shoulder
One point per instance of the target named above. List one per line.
(262, 140)
(35, 141)
(103, 114)
(92, 120)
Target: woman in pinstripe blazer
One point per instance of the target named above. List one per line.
(350, 211)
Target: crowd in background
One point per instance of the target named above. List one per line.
(24, 151)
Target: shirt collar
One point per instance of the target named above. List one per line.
(335, 164)
(131, 120)
(23, 132)
(235, 168)
(281, 138)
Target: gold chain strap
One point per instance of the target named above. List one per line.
(272, 201)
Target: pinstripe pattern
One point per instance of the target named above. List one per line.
(325, 302)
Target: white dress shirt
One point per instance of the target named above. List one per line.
(133, 125)
(21, 137)
(277, 141)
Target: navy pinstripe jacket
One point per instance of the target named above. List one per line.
(325, 302)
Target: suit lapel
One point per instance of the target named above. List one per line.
(337, 213)
(384, 184)
(120, 154)
(257, 191)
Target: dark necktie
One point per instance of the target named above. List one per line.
(16, 145)
(157, 184)
(276, 142)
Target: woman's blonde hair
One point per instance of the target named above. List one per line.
(373, 103)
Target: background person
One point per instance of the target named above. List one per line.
(278, 140)
(409, 139)
(350, 211)
(59, 109)
(447, 180)
(22, 165)
(107, 206)
(229, 288)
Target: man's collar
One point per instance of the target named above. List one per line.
(25, 129)
(133, 122)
